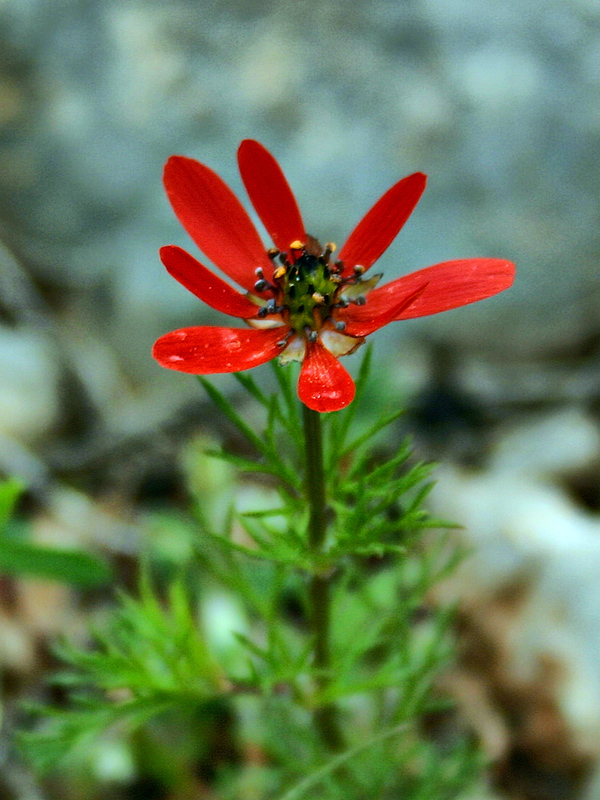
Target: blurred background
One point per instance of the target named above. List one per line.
(499, 103)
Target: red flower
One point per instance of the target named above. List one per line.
(299, 303)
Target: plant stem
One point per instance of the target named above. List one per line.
(315, 478)
(325, 716)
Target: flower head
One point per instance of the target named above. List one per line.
(300, 303)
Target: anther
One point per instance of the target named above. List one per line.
(318, 298)
(259, 272)
(360, 300)
(279, 272)
(260, 285)
(297, 245)
(341, 303)
(311, 335)
(285, 340)
(329, 249)
(339, 264)
(283, 257)
(272, 252)
(340, 326)
(262, 312)
(359, 269)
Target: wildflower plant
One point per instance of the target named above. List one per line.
(331, 673)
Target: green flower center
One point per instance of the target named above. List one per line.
(308, 292)
(308, 288)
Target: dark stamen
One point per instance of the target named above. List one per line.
(329, 248)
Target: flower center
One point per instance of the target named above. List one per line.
(308, 292)
(308, 288)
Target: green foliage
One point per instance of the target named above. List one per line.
(149, 659)
(363, 496)
(23, 558)
(387, 643)
(10, 491)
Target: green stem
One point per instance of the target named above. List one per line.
(320, 603)
(315, 478)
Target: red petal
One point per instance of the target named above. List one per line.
(358, 324)
(377, 230)
(450, 285)
(204, 284)
(324, 384)
(270, 194)
(205, 351)
(215, 219)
